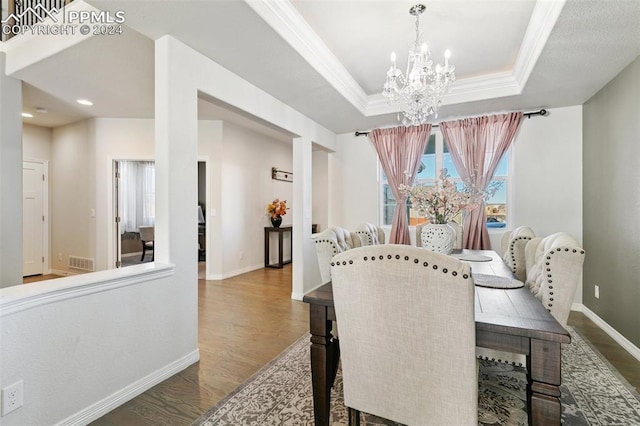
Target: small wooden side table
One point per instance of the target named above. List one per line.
(267, 231)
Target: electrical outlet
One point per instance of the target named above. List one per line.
(11, 398)
(597, 292)
(241, 255)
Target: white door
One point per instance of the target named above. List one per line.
(32, 218)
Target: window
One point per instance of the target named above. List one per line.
(436, 156)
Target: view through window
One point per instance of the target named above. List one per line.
(436, 156)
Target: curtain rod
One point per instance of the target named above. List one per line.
(541, 113)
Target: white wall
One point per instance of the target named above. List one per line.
(354, 182)
(10, 178)
(84, 344)
(320, 189)
(247, 188)
(36, 142)
(71, 195)
(548, 173)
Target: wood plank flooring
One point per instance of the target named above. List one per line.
(247, 320)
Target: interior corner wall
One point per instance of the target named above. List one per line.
(612, 202)
(353, 171)
(10, 178)
(72, 196)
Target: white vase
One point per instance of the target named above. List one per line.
(438, 237)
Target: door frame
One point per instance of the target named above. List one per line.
(46, 229)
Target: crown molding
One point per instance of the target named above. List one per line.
(543, 18)
(283, 17)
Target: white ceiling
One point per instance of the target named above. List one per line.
(328, 59)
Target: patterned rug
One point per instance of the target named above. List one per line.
(280, 393)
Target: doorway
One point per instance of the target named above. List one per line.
(34, 222)
(134, 208)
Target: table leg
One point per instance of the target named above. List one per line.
(322, 362)
(280, 250)
(544, 378)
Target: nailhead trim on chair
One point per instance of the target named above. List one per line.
(549, 280)
(335, 249)
(367, 234)
(512, 250)
(406, 258)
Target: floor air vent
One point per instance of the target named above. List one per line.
(82, 263)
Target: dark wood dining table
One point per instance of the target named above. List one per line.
(510, 320)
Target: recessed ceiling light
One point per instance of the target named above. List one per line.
(27, 115)
(85, 102)
(42, 110)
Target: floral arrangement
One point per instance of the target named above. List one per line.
(442, 202)
(277, 208)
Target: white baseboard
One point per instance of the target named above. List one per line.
(235, 272)
(612, 332)
(62, 273)
(118, 398)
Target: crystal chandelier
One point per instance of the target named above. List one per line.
(419, 91)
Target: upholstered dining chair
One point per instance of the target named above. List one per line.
(330, 242)
(147, 237)
(370, 234)
(513, 243)
(407, 335)
(456, 227)
(554, 268)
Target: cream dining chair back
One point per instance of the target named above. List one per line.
(330, 242)
(513, 244)
(554, 268)
(407, 335)
(370, 234)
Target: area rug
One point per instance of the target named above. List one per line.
(280, 393)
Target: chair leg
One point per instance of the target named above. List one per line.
(354, 416)
(144, 249)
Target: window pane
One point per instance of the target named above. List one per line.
(497, 207)
(388, 205)
(447, 162)
(503, 166)
(427, 167)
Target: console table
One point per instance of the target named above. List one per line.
(280, 231)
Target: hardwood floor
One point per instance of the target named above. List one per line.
(627, 365)
(239, 333)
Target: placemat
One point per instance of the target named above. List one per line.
(493, 281)
(469, 257)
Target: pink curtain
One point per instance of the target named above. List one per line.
(476, 146)
(400, 150)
